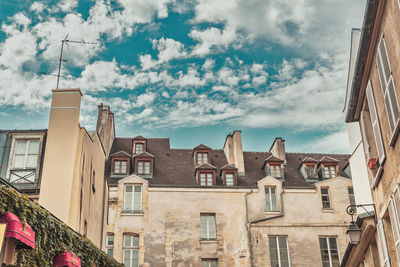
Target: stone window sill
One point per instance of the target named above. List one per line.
(330, 210)
(207, 241)
(131, 213)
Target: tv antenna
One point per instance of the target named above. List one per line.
(64, 60)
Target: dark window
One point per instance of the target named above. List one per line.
(329, 252)
(326, 204)
(279, 252)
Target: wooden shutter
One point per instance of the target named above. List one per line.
(394, 220)
(375, 123)
(383, 247)
(387, 85)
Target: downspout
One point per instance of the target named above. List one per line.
(249, 223)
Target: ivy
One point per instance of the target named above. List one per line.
(52, 237)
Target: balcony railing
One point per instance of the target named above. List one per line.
(24, 179)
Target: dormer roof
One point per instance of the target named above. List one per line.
(202, 147)
(327, 159)
(144, 154)
(139, 137)
(120, 154)
(206, 166)
(273, 159)
(309, 160)
(228, 167)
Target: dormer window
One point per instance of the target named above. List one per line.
(139, 148)
(120, 166)
(229, 175)
(275, 170)
(310, 170)
(143, 167)
(206, 178)
(330, 171)
(202, 157)
(229, 179)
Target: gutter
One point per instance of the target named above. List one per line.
(249, 223)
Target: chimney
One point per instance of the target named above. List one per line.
(234, 151)
(278, 148)
(105, 127)
(60, 155)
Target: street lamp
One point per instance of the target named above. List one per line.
(354, 230)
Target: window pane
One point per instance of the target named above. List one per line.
(117, 166)
(33, 147)
(211, 227)
(333, 171)
(273, 202)
(268, 202)
(128, 198)
(213, 263)
(326, 172)
(203, 224)
(324, 251)
(271, 171)
(204, 263)
(204, 157)
(273, 251)
(19, 161)
(283, 252)
(202, 179)
(32, 161)
(110, 240)
(20, 147)
(140, 167)
(110, 252)
(147, 167)
(135, 258)
(137, 199)
(229, 179)
(135, 241)
(324, 190)
(278, 171)
(127, 258)
(209, 179)
(127, 240)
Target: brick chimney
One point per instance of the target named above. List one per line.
(105, 127)
(278, 148)
(60, 154)
(234, 151)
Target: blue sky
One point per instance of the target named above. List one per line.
(193, 71)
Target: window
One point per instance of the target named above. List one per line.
(326, 204)
(25, 159)
(310, 171)
(206, 178)
(110, 244)
(351, 196)
(229, 179)
(209, 263)
(139, 148)
(270, 198)
(202, 157)
(207, 222)
(133, 199)
(388, 88)
(93, 181)
(329, 171)
(120, 166)
(279, 252)
(143, 167)
(375, 123)
(329, 252)
(275, 170)
(383, 246)
(131, 250)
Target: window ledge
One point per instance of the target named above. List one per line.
(127, 213)
(393, 137)
(207, 241)
(275, 212)
(330, 210)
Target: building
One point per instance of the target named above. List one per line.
(63, 167)
(372, 115)
(225, 207)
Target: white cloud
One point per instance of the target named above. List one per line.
(169, 49)
(147, 62)
(145, 99)
(37, 7)
(335, 142)
(21, 19)
(208, 64)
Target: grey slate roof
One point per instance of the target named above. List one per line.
(176, 167)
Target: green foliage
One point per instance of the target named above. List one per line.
(52, 236)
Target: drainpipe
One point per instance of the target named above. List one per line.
(249, 223)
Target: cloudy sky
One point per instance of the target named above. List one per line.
(193, 71)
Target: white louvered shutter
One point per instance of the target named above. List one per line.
(383, 245)
(394, 219)
(375, 123)
(387, 85)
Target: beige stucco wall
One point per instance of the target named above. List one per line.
(169, 228)
(71, 156)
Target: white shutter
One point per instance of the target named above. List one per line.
(387, 85)
(375, 123)
(383, 247)
(394, 221)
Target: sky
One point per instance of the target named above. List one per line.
(193, 71)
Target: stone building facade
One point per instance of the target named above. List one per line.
(225, 207)
(373, 105)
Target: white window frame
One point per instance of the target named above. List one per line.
(278, 248)
(133, 199)
(16, 137)
(130, 248)
(208, 178)
(120, 171)
(232, 182)
(143, 163)
(275, 170)
(208, 228)
(383, 251)
(329, 248)
(136, 148)
(201, 158)
(269, 197)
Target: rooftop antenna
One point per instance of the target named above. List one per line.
(63, 60)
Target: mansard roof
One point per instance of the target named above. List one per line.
(175, 167)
